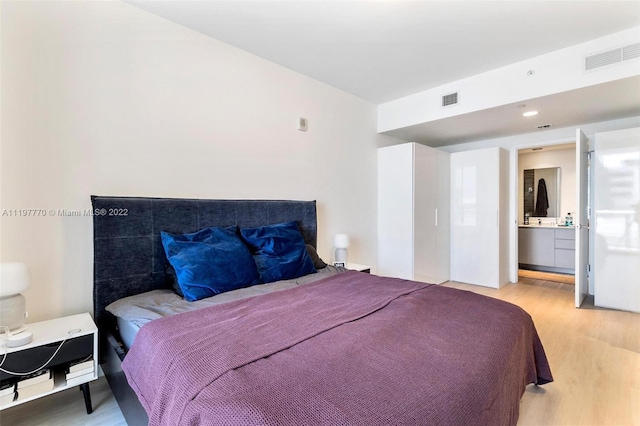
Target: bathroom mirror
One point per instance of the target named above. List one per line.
(542, 192)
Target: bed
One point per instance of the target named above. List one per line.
(332, 347)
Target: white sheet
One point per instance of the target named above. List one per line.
(135, 311)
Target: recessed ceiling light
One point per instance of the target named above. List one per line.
(530, 113)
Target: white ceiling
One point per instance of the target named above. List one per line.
(383, 50)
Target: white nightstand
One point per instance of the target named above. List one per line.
(359, 268)
(81, 342)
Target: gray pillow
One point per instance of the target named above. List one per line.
(317, 262)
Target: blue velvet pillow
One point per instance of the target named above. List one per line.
(279, 251)
(209, 262)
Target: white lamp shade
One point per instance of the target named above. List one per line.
(14, 278)
(341, 241)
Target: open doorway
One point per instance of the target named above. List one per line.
(558, 237)
(546, 182)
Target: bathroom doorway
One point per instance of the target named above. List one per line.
(563, 244)
(546, 205)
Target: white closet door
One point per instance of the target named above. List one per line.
(582, 218)
(474, 217)
(443, 216)
(503, 218)
(616, 219)
(395, 211)
(425, 204)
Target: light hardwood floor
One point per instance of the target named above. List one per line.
(67, 408)
(594, 355)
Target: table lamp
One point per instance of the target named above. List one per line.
(340, 242)
(14, 279)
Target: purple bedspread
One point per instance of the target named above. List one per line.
(353, 349)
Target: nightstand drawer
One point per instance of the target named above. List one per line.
(30, 359)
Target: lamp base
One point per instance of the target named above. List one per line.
(13, 311)
(20, 339)
(341, 255)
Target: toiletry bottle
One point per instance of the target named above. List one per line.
(568, 221)
(526, 219)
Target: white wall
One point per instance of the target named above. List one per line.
(563, 158)
(103, 98)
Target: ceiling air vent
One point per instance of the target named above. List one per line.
(602, 59)
(450, 99)
(613, 56)
(631, 51)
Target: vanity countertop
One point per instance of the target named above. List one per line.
(543, 225)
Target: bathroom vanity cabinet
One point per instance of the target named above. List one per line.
(546, 248)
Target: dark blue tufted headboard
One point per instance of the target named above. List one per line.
(128, 255)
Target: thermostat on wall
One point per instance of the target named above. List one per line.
(302, 124)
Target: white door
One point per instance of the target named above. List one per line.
(581, 217)
(443, 216)
(395, 211)
(474, 217)
(424, 207)
(616, 219)
(424, 214)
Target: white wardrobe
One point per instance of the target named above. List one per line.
(414, 213)
(480, 217)
(615, 219)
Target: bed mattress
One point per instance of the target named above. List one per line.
(135, 311)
